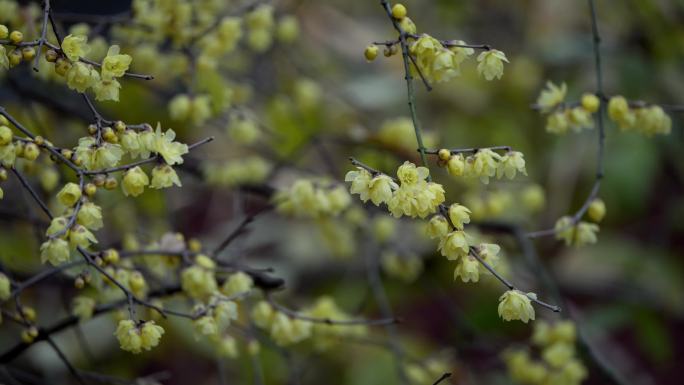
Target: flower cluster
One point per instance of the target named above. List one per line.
(559, 363)
(562, 117)
(647, 120)
(307, 199)
(439, 61)
(414, 196)
(136, 337)
(484, 164)
(575, 234)
(284, 329)
(214, 318)
(198, 281)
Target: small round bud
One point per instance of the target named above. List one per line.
(597, 210)
(19, 149)
(444, 154)
(399, 11)
(62, 65)
(31, 151)
(390, 50)
(16, 37)
(28, 53)
(371, 52)
(39, 140)
(111, 183)
(109, 135)
(119, 126)
(87, 276)
(195, 245)
(5, 135)
(98, 261)
(590, 102)
(99, 180)
(92, 129)
(15, 57)
(3, 120)
(79, 282)
(3, 174)
(110, 256)
(67, 153)
(76, 160)
(4, 31)
(51, 55)
(29, 313)
(90, 189)
(26, 336)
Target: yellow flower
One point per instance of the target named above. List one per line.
(150, 335)
(444, 66)
(580, 118)
(79, 236)
(5, 288)
(460, 53)
(410, 175)
(557, 123)
(90, 216)
(454, 245)
(107, 89)
(75, 47)
(164, 145)
(115, 64)
(576, 235)
(483, 164)
(198, 282)
(552, 96)
(164, 176)
(56, 251)
(5, 135)
(360, 181)
(490, 64)
(653, 120)
(237, 283)
(83, 307)
(130, 142)
(81, 76)
(128, 335)
(69, 194)
(597, 210)
(459, 215)
(511, 163)
(558, 354)
(456, 165)
(515, 305)
(620, 113)
(489, 253)
(4, 62)
(380, 189)
(179, 107)
(206, 326)
(262, 314)
(407, 25)
(370, 53)
(468, 269)
(105, 156)
(438, 227)
(590, 102)
(134, 182)
(224, 313)
(56, 225)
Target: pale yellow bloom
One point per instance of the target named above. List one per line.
(510, 164)
(164, 176)
(551, 96)
(115, 64)
(90, 216)
(459, 215)
(438, 227)
(490, 64)
(69, 194)
(56, 251)
(515, 305)
(380, 189)
(454, 245)
(75, 46)
(468, 269)
(81, 76)
(134, 182)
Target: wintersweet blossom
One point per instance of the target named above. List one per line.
(515, 305)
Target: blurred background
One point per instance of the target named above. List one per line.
(319, 102)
